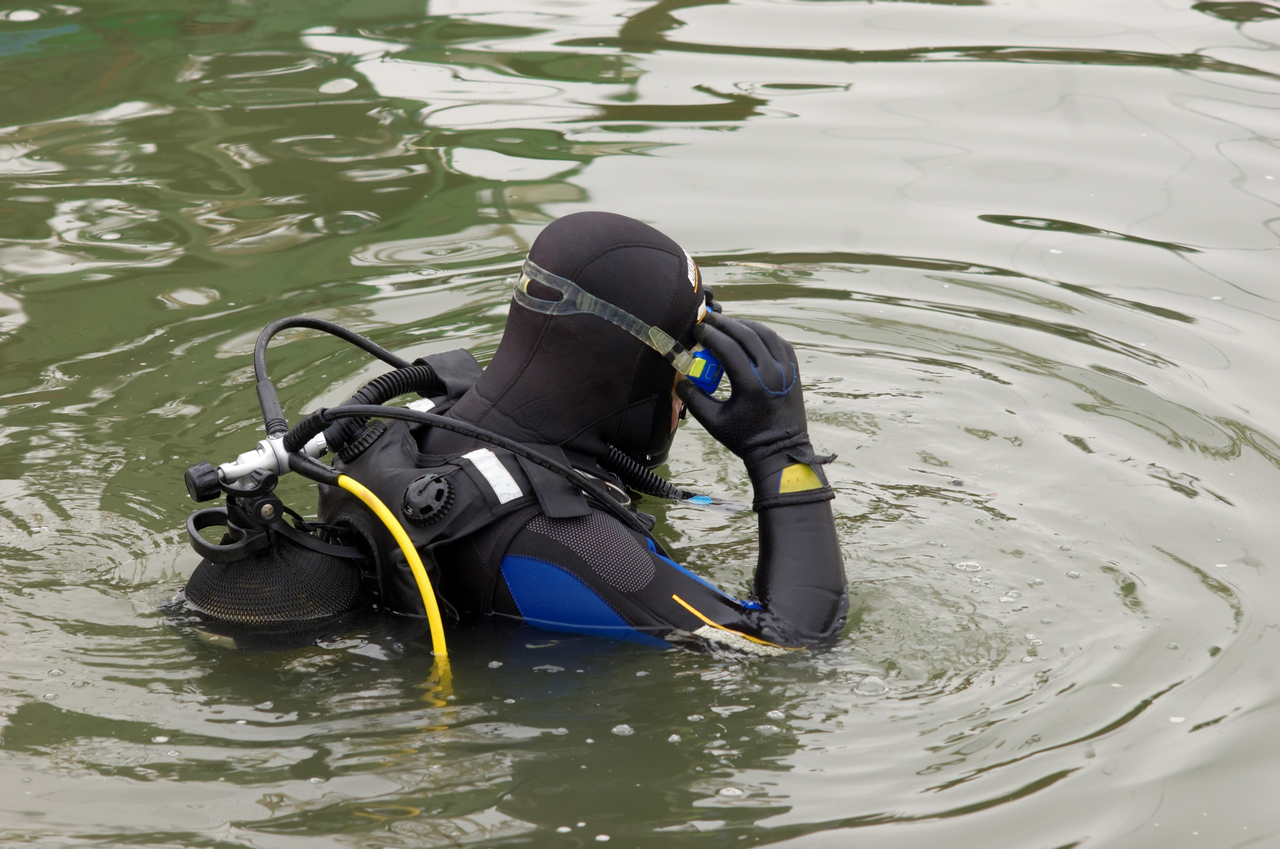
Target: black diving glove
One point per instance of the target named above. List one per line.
(763, 421)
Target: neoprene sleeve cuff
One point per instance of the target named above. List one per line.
(794, 476)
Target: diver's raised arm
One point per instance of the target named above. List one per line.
(800, 577)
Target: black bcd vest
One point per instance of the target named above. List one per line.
(444, 489)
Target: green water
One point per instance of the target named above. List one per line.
(1027, 252)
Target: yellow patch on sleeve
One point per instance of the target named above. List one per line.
(798, 477)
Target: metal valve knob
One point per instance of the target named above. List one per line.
(202, 481)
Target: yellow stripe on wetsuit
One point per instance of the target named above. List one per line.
(715, 632)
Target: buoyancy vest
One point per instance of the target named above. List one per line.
(452, 490)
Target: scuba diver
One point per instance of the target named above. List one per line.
(512, 483)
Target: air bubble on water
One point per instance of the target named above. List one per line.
(1064, 548)
(1073, 574)
(508, 701)
(564, 829)
(1035, 642)
(1028, 659)
(1115, 685)
(1220, 565)
(54, 673)
(559, 732)
(173, 753)
(1010, 596)
(602, 838)
(1177, 719)
(24, 15)
(623, 730)
(776, 714)
(315, 780)
(1046, 621)
(767, 730)
(674, 738)
(731, 791)
(694, 717)
(342, 85)
(1030, 636)
(160, 739)
(871, 686)
(1171, 645)
(494, 664)
(1034, 582)
(975, 580)
(641, 674)
(968, 566)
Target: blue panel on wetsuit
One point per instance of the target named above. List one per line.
(750, 605)
(554, 600)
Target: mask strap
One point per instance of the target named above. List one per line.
(575, 299)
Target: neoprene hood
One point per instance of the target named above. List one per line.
(578, 381)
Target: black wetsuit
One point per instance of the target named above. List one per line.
(593, 575)
(583, 571)
(577, 384)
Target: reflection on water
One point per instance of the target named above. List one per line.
(1024, 252)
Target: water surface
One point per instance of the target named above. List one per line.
(1027, 253)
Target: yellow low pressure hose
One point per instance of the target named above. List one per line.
(415, 565)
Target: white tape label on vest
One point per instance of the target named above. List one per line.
(487, 463)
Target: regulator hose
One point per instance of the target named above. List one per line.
(420, 378)
(425, 589)
(641, 479)
(272, 413)
(319, 472)
(320, 419)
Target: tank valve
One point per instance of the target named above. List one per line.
(202, 482)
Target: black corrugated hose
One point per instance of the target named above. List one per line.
(419, 378)
(641, 479)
